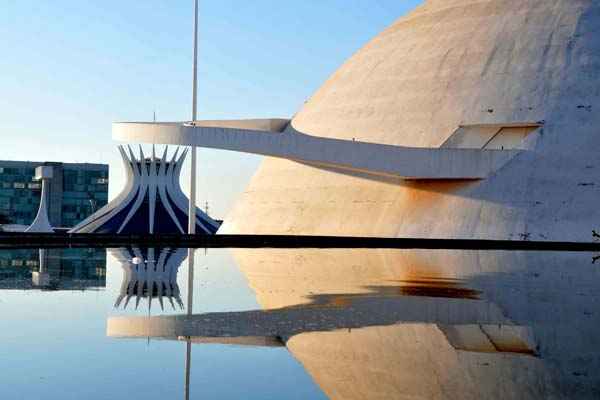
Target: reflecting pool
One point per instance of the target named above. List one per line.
(165, 323)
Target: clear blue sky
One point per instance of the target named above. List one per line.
(69, 68)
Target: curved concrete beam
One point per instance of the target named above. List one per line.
(265, 138)
(286, 322)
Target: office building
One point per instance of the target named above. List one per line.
(76, 191)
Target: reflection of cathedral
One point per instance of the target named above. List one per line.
(149, 273)
(53, 269)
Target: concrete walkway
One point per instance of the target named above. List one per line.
(266, 137)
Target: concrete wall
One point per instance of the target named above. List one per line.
(19, 198)
(447, 162)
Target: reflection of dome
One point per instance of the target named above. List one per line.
(151, 202)
(149, 273)
(532, 304)
(465, 73)
(418, 324)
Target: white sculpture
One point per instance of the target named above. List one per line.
(41, 223)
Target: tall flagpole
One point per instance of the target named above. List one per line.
(192, 209)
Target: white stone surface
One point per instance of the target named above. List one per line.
(41, 223)
(349, 155)
(446, 64)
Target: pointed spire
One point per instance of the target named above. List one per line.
(174, 157)
(133, 159)
(127, 301)
(150, 292)
(183, 156)
(164, 156)
(119, 300)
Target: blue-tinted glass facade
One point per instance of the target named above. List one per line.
(67, 269)
(76, 191)
(84, 192)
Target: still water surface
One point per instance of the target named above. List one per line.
(298, 324)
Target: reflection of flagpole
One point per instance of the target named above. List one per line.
(190, 303)
(190, 300)
(188, 364)
(190, 291)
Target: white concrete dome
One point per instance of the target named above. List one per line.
(485, 66)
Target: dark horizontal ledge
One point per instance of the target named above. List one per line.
(55, 240)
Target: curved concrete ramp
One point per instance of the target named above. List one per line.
(265, 137)
(290, 321)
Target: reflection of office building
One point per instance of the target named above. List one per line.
(76, 191)
(149, 273)
(152, 200)
(53, 269)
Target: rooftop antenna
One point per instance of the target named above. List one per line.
(154, 115)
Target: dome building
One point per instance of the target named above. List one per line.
(465, 119)
(502, 74)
